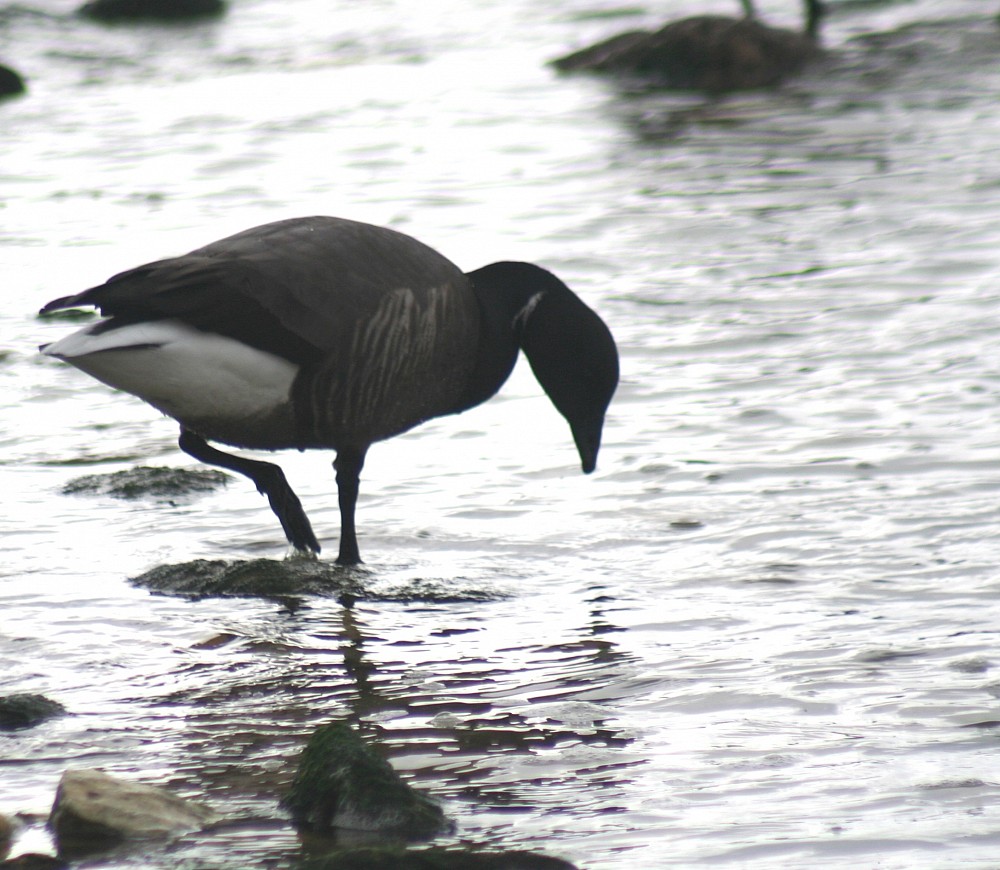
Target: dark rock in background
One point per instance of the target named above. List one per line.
(152, 10)
(27, 710)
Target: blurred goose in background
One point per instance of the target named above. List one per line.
(711, 53)
(321, 332)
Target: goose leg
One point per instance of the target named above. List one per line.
(348, 465)
(269, 480)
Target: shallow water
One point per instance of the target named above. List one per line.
(763, 633)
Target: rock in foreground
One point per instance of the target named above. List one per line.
(93, 807)
(342, 783)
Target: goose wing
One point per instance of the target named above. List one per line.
(300, 288)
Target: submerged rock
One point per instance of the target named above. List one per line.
(11, 82)
(342, 783)
(293, 577)
(147, 481)
(440, 591)
(25, 710)
(92, 807)
(433, 859)
(257, 578)
(152, 10)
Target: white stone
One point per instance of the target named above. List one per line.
(91, 804)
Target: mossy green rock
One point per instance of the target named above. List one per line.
(254, 578)
(342, 783)
(24, 710)
(146, 481)
(294, 577)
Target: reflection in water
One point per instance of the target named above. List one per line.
(249, 697)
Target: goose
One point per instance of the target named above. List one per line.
(713, 53)
(327, 333)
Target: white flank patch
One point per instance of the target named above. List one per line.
(190, 375)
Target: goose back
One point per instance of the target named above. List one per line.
(383, 329)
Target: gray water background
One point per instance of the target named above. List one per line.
(764, 633)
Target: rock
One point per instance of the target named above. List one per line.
(11, 83)
(33, 861)
(152, 10)
(148, 482)
(25, 710)
(93, 807)
(256, 578)
(296, 576)
(433, 859)
(342, 783)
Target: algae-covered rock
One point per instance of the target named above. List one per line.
(25, 710)
(342, 783)
(256, 578)
(298, 576)
(148, 482)
(440, 591)
(93, 807)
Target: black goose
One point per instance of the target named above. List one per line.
(713, 53)
(320, 332)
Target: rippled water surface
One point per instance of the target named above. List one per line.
(764, 633)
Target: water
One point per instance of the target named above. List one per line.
(764, 632)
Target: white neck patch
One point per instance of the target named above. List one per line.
(521, 318)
